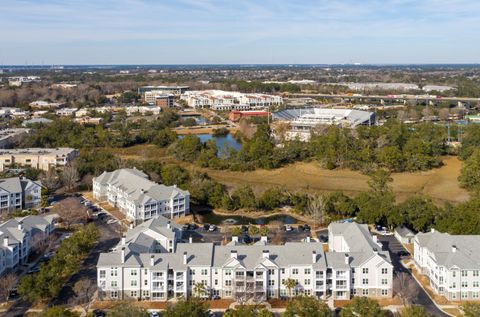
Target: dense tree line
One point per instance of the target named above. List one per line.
(48, 282)
(393, 146)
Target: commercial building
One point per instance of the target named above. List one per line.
(38, 158)
(10, 136)
(19, 193)
(17, 238)
(161, 100)
(451, 263)
(227, 100)
(45, 104)
(303, 121)
(139, 198)
(175, 90)
(66, 112)
(141, 268)
(238, 115)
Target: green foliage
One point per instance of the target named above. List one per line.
(175, 175)
(189, 122)
(413, 311)
(48, 282)
(59, 311)
(418, 212)
(306, 306)
(248, 311)
(164, 137)
(272, 198)
(470, 141)
(461, 219)
(187, 148)
(220, 132)
(362, 307)
(95, 161)
(337, 203)
(192, 307)
(127, 309)
(471, 309)
(470, 173)
(244, 197)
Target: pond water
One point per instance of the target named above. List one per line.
(198, 119)
(222, 142)
(215, 219)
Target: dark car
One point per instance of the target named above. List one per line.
(403, 253)
(185, 227)
(99, 313)
(306, 228)
(192, 226)
(13, 294)
(244, 228)
(206, 226)
(246, 239)
(323, 238)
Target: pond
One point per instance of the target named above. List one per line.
(222, 142)
(215, 219)
(198, 119)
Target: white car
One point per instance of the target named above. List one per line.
(112, 221)
(288, 228)
(154, 314)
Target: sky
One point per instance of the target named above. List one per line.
(239, 31)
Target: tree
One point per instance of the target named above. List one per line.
(380, 180)
(307, 306)
(71, 211)
(50, 179)
(127, 309)
(405, 288)
(362, 307)
(191, 307)
(7, 283)
(58, 311)
(413, 311)
(290, 284)
(39, 243)
(175, 175)
(417, 212)
(84, 291)
(70, 176)
(470, 173)
(471, 309)
(199, 290)
(244, 197)
(316, 210)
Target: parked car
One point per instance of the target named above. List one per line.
(323, 238)
(154, 314)
(185, 227)
(210, 313)
(192, 226)
(403, 253)
(206, 226)
(244, 228)
(111, 221)
(212, 228)
(13, 293)
(288, 228)
(246, 239)
(306, 228)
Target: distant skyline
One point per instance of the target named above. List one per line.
(239, 32)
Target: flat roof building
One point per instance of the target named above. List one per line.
(39, 158)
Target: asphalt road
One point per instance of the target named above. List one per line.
(391, 244)
(109, 237)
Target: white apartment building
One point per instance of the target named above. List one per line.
(139, 198)
(355, 266)
(451, 263)
(19, 193)
(39, 158)
(16, 237)
(219, 99)
(66, 112)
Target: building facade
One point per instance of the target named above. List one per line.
(17, 238)
(451, 263)
(19, 193)
(138, 198)
(354, 265)
(159, 99)
(39, 158)
(229, 100)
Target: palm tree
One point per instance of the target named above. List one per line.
(199, 290)
(290, 284)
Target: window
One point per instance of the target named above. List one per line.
(228, 272)
(192, 272)
(113, 284)
(464, 295)
(307, 282)
(464, 273)
(384, 281)
(365, 281)
(365, 292)
(239, 274)
(204, 272)
(384, 270)
(475, 284)
(216, 282)
(475, 295)
(113, 271)
(113, 294)
(282, 271)
(365, 270)
(133, 272)
(464, 284)
(294, 271)
(133, 283)
(307, 271)
(271, 282)
(271, 271)
(228, 283)
(475, 273)
(145, 282)
(454, 274)
(133, 293)
(384, 292)
(102, 273)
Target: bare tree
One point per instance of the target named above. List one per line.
(316, 210)
(444, 113)
(39, 243)
(7, 283)
(84, 292)
(50, 179)
(71, 211)
(405, 288)
(70, 176)
(88, 181)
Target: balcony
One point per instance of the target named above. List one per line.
(158, 288)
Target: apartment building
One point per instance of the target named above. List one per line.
(40, 104)
(354, 265)
(175, 90)
(228, 100)
(138, 198)
(8, 137)
(66, 112)
(17, 238)
(19, 193)
(159, 99)
(38, 158)
(451, 263)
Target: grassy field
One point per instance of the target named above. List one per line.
(441, 184)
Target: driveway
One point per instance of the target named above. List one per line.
(391, 244)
